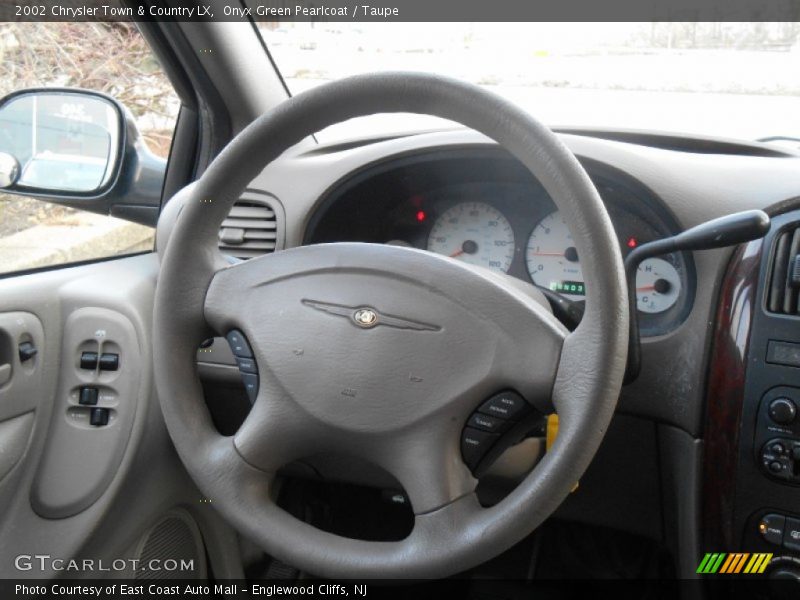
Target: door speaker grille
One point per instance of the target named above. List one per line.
(175, 537)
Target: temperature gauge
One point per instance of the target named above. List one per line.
(658, 285)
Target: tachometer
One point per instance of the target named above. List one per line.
(474, 232)
(552, 258)
(658, 285)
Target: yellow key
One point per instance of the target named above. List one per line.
(552, 432)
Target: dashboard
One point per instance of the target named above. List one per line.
(483, 207)
(440, 190)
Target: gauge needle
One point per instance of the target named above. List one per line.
(468, 247)
(647, 288)
(560, 254)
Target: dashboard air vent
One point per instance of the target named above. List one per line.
(782, 295)
(250, 230)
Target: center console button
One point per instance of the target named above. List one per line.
(771, 528)
(791, 535)
(782, 411)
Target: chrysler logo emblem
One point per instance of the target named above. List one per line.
(365, 317)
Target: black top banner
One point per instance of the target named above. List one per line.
(401, 10)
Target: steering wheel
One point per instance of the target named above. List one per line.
(383, 352)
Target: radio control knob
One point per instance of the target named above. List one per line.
(782, 411)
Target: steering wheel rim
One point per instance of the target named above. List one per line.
(590, 361)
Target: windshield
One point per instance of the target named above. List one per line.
(738, 80)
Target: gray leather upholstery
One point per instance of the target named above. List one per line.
(452, 532)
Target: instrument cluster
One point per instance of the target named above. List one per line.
(505, 221)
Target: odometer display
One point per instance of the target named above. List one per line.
(575, 288)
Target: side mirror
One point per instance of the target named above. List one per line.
(81, 149)
(9, 170)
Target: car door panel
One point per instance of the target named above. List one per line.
(67, 488)
(14, 435)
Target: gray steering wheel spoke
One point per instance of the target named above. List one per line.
(427, 462)
(276, 432)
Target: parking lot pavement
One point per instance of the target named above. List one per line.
(85, 236)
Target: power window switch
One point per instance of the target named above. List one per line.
(88, 396)
(99, 417)
(89, 360)
(109, 362)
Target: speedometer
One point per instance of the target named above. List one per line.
(474, 232)
(552, 258)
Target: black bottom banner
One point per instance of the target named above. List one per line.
(481, 589)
